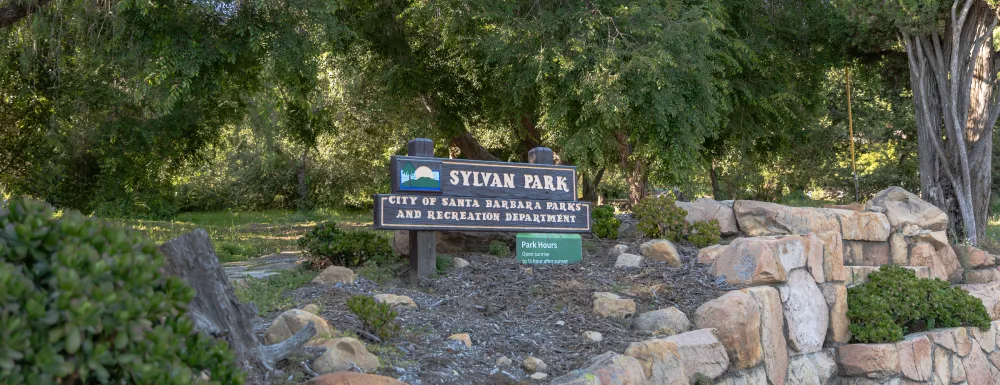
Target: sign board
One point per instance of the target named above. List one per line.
(473, 178)
(549, 248)
(423, 212)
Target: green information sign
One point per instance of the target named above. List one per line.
(539, 248)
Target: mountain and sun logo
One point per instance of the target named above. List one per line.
(421, 178)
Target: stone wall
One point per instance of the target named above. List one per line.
(788, 324)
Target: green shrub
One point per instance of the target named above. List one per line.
(84, 301)
(499, 248)
(376, 317)
(894, 302)
(660, 218)
(326, 243)
(705, 233)
(605, 223)
(443, 262)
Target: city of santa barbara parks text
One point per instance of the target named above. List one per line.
(414, 211)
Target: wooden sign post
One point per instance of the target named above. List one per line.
(432, 194)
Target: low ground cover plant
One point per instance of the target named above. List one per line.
(328, 244)
(894, 302)
(376, 317)
(499, 248)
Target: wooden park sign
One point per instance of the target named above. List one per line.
(430, 194)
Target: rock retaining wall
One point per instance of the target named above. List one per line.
(788, 324)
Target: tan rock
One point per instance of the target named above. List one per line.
(989, 293)
(949, 263)
(862, 226)
(503, 361)
(987, 275)
(901, 207)
(813, 250)
(705, 209)
(708, 255)
(661, 250)
(957, 370)
(534, 365)
(312, 308)
(859, 274)
(660, 360)
(872, 360)
(667, 321)
(938, 239)
(859, 207)
(396, 301)
(464, 338)
(752, 376)
(342, 354)
(628, 261)
(833, 256)
(760, 260)
(606, 369)
(290, 322)
(811, 369)
(915, 359)
(835, 295)
(955, 340)
(772, 337)
(978, 369)
(592, 337)
(604, 294)
(806, 315)
(608, 307)
(459, 263)
(352, 378)
(335, 274)
(736, 318)
(987, 339)
(899, 250)
(942, 367)
(617, 250)
(539, 376)
(762, 218)
(862, 253)
(971, 257)
(702, 353)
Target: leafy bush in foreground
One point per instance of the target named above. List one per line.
(83, 301)
(705, 233)
(326, 243)
(377, 317)
(659, 217)
(894, 302)
(499, 248)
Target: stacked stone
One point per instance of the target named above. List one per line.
(944, 356)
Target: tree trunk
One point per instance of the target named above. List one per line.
(215, 309)
(303, 182)
(956, 101)
(590, 185)
(716, 191)
(634, 167)
(471, 148)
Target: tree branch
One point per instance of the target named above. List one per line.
(12, 13)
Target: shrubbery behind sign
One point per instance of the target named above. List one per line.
(430, 194)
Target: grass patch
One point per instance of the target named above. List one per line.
(269, 294)
(239, 236)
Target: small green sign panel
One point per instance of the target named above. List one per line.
(556, 249)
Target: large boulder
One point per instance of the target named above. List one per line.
(661, 250)
(872, 360)
(606, 369)
(772, 337)
(972, 258)
(760, 260)
(862, 226)
(396, 301)
(667, 321)
(941, 262)
(811, 369)
(987, 275)
(708, 255)
(863, 253)
(833, 256)
(762, 218)
(660, 360)
(902, 207)
(805, 311)
(702, 353)
(835, 295)
(736, 317)
(753, 376)
(343, 354)
(335, 274)
(290, 322)
(978, 369)
(989, 293)
(352, 378)
(915, 359)
(705, 209)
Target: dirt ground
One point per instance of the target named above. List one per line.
(510, 310)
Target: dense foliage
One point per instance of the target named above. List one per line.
(84, 301)
(328, 244)
(894, 302)
(376, 317)
(499, 248)
(659, 217)
(705, 233)
(604, 222)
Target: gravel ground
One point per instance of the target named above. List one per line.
(513, 310)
